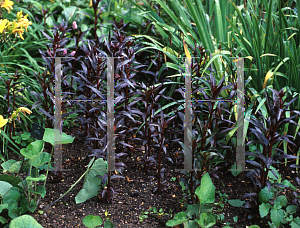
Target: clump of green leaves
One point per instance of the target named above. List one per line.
(92, 221)
(18, 196)
(199, 215)
(272, 205)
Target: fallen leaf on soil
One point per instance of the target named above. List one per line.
(128, 179)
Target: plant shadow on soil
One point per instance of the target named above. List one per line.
(125, 209)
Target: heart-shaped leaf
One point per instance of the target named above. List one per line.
(49, 137)
(33, 149)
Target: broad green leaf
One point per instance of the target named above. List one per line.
(265, 195)
(236, 202)
(282, 200)
(49, 137)
(3, 206)
(179, 218)
(206, 191)
(11, 198)
(11, 166)
(206, 220)
(3, 220)
(108, 224)
(33, 149)
(14, 181)
(4, 188)
(24, 221)
(92, 183)
(276, 216)
(264, 209)
(92, 221)
(41, 159)
(291, 209)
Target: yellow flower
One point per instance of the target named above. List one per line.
(2, 121)
(19, 31)
(24, 110)
(24, 22)
(14, 115)
(3, 25)
(7, 4)
(19, 15)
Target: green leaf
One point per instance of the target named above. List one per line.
(40, 160)
(254, 226)
(11, 166)
(24, 221)
(4, 188)
(3, 206)
(295, 223)
(108, 224)
(282, 200)
(14, 181)
(235, 171)
(92, 221)
(193, 210)
(206, 191)
(291, 209)
(206, 220)
(35, 179)
(92, 183)
(32, 206)
(236, 202)
(264, 195)
(179, 218)
(33, 149)
(49, 137)
(11, 198)
(41, 190)
(276, 216)
(271, 175)
(264, 209)
(288, 184)
(69, 13)
(3, 220)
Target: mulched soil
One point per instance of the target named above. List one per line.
(135, 194)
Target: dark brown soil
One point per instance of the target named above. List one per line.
(125, 209)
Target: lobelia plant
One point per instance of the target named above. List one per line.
(208, 138)
(162, 130)
(268, 130)
(149, 97)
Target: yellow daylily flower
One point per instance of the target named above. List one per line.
(2, 121)
(23, 22)
(7, 4)
(19, 15)
(3, 24)
(25, 110)
(19, 31)
(268, 76)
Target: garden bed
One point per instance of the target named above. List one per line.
(135, 194)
